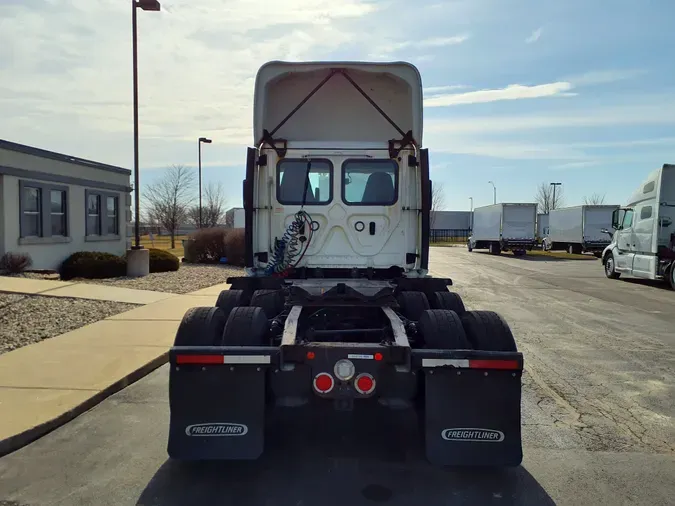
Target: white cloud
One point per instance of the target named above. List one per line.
(511, 92)
(534, 36)
(385, 49)
(67, 86)
(435, 90)
(603, 77)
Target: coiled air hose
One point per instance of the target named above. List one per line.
(290, 246)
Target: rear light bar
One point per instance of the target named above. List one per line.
(511, 365)
(223, 359)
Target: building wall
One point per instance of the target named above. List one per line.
(445, 220)
(76, 179)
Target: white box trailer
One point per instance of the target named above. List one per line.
(542, 226)
(580, 229)
(643, 244)
(504, 227)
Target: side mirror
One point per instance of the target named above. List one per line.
(615, 219)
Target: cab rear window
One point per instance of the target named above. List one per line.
(292, 179)
(370, 182)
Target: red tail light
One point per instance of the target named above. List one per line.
(364, 383)
(323, 383)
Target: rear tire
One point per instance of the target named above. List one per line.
(200, 326)
(246, 326)
(270, 301)
(495, 248)
(671, 275)
(412, 304)
(468, 246)
(448, 300)
(229, 299)
(442, 329)
(610, 267)
(487, 331)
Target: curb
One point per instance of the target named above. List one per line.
(18, 441)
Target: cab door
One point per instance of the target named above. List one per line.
(625, 243)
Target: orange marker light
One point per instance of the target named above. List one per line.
(310, 355)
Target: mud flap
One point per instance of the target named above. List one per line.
(217, 412)
(472, 417)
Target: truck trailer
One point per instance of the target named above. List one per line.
(337, 318)
(643, 243)
(504, 227)
(579, 229)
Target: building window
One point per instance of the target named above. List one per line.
(112, 215)
(646, 213)
(32, 216)
(93, 214)
(103, 211)
(43, 210)
(58, 212)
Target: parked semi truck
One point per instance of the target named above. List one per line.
(504, 227)
(337, 320)
(579, 229)
(643, 244)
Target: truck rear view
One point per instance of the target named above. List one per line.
(580, 229)
(504, 227)
(337, 317)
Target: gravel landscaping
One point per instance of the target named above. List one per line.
(188, 278)
(27, 319)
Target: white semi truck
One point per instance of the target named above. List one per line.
(643, 244)
(579, 229)
(504, 227)
(337, 320)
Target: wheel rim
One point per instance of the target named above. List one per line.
(609, 265)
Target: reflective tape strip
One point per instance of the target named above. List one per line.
(247, 359)
(220, 359)
(440, 362)
(471, 364)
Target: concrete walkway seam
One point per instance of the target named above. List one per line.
(18, 441)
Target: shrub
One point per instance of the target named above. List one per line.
(93, 265)
(163, 261)
(207, 245)
(15, 263)
(235, 247)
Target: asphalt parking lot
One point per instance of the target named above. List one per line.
(598, 407)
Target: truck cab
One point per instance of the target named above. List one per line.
(643, 242)
(338, 186)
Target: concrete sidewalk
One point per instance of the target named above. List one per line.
(79, 290)
(47, 384)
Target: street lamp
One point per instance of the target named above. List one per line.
(146, 5)
(553, 202)
(205, 141)
(494, 191)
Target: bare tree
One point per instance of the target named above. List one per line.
(544, 198)
(595, 200)
(168, 199)
(437, 202)
(213, 207)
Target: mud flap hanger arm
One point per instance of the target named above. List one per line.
(268, 137)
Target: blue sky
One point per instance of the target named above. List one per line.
(519, 92)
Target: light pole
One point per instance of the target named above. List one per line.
(471, 215)
(494, 192)
(553, 202)
(146, 5)
(205, 141)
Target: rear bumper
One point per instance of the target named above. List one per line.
(468, 401)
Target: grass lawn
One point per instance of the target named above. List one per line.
(164, 242)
